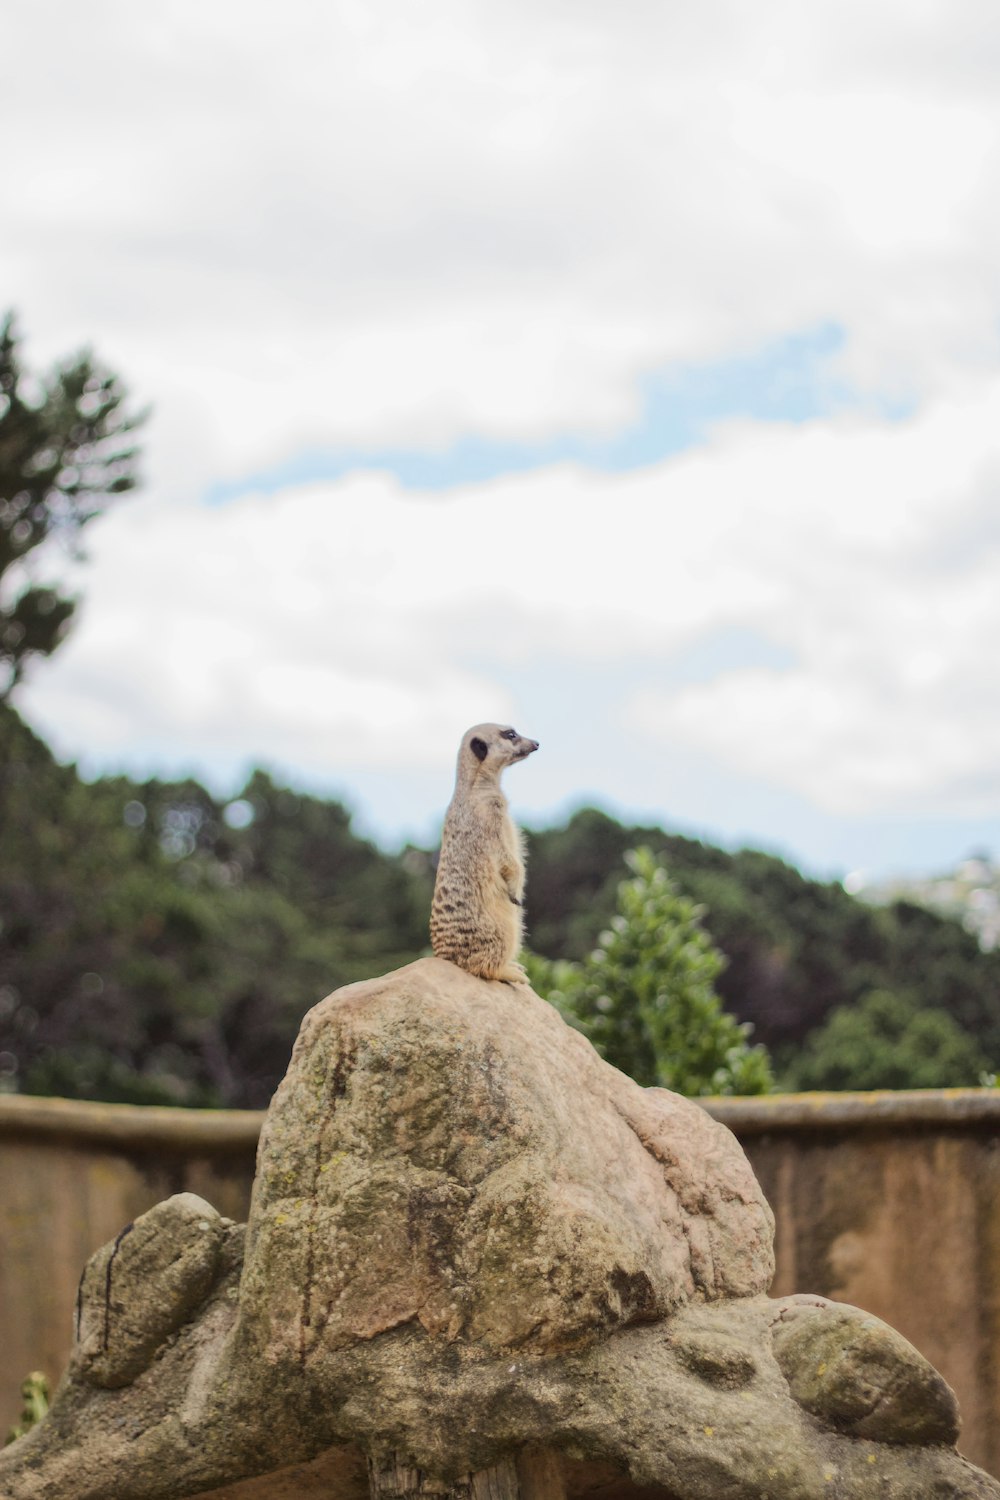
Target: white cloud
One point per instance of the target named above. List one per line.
(382, 225)
(348, 624)
(893, 611)
(386, 225)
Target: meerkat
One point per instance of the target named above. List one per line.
(477, 912)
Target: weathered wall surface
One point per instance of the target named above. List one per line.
(892, 1202)
(887, 1201)
(71, 1176)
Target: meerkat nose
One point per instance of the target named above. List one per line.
(534, 744)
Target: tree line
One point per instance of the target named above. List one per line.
(161, 945)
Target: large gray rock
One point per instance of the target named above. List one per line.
(446, 1151)
(139, 1289)
(857, 1374)
(472, 1239)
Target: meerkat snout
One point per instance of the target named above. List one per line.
(476, 915)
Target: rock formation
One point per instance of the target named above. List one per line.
(479, 1261)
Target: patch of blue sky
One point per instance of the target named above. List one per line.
(787, 380)
(580, 715)
(729, 648)
(677, 790)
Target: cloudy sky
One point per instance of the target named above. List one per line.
(630, 372)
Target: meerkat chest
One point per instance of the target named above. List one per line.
(513, 840)
(484, 823)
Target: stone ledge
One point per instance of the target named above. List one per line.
(154, 1125)
(913, 1109)
(130, 1125)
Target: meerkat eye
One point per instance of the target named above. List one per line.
(509, 734)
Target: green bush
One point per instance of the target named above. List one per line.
(35, 1403)
(887, 1042)
(646, 998)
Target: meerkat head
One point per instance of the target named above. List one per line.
(491, 747)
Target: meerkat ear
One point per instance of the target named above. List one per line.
(479, 748)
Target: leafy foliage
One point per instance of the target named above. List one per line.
(886, 1042)
(63, 455)
(160, 945)
(796, 949)
(646, 995)
(152, 953)
(34, 1405)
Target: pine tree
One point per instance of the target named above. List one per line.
(646, 995)
(63, 455)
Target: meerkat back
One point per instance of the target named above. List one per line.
(477, 911)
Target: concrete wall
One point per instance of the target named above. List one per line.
(888, 1201)
(71, 1175)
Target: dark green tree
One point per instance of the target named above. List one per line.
(65, 451)
(646, 995)
(160, 946)
(796, 949)
(887, 1042)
